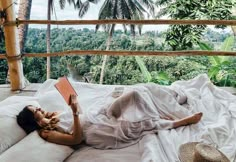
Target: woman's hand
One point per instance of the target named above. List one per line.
(49, 115)
(74, 103)
(52, 125)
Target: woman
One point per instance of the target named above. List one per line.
(55, 128)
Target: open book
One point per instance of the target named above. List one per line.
(65, 88)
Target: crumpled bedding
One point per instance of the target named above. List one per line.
(179, 100)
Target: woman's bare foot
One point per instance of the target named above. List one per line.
(194, 118)
(188, 120)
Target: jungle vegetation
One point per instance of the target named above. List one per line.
(123, 69)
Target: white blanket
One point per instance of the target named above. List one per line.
(217, 126)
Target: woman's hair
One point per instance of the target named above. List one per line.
(26, 120)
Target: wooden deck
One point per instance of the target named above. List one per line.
(31, 89)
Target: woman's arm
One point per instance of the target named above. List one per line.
(63, 138)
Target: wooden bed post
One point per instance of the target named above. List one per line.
(13, 47)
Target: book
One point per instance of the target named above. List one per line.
(65, 88)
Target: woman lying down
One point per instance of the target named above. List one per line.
(57, 127)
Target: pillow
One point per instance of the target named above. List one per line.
(10, 131)
(35, 149)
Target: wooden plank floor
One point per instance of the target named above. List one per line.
(31, 89)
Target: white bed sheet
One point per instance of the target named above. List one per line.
(217, 126)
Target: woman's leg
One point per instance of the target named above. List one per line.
(121, 103)
(125, 133)
(119, 135)
(188, 120)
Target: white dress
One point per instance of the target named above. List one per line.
(66, 121)
(114, 134)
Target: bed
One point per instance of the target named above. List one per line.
(217, 127)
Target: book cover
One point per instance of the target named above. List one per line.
(65, 89)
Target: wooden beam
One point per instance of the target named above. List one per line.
(121, 21)
(130, 53)
(12, 48)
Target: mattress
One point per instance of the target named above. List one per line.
(217, 127)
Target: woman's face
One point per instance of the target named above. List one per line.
(39, 115)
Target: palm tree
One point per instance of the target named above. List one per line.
(119, 9)
(49, 12)
(24, 14)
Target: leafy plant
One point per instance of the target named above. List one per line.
(185, 36)
(158, 77)
(222, 71)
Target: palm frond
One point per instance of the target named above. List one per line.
(150, 5)
(162, 2)
(131, 7)
(114, 9)
(162, 12)
(71, 2)
(62, 4)
(84, 8)
(123, 10)
(105, 11)
(94, 1)
(78, 4)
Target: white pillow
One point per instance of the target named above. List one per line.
(35, 149)
(10, 131)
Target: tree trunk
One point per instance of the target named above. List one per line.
(23, 14)
(105, 56)
(48, 40)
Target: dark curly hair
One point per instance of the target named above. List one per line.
(26, 120)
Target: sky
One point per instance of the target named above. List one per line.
(39, 12)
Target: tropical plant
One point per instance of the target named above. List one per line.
(185, 36)
(119, 9)
(156, 77)
(222, 71)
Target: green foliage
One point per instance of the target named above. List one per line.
(185, 36)
(222, 71)
(143, 69)
(120, 69)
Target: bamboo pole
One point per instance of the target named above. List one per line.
(122, 21)
(12, 48)
(129, 53)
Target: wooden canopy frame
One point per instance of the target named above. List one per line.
(14, 57)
